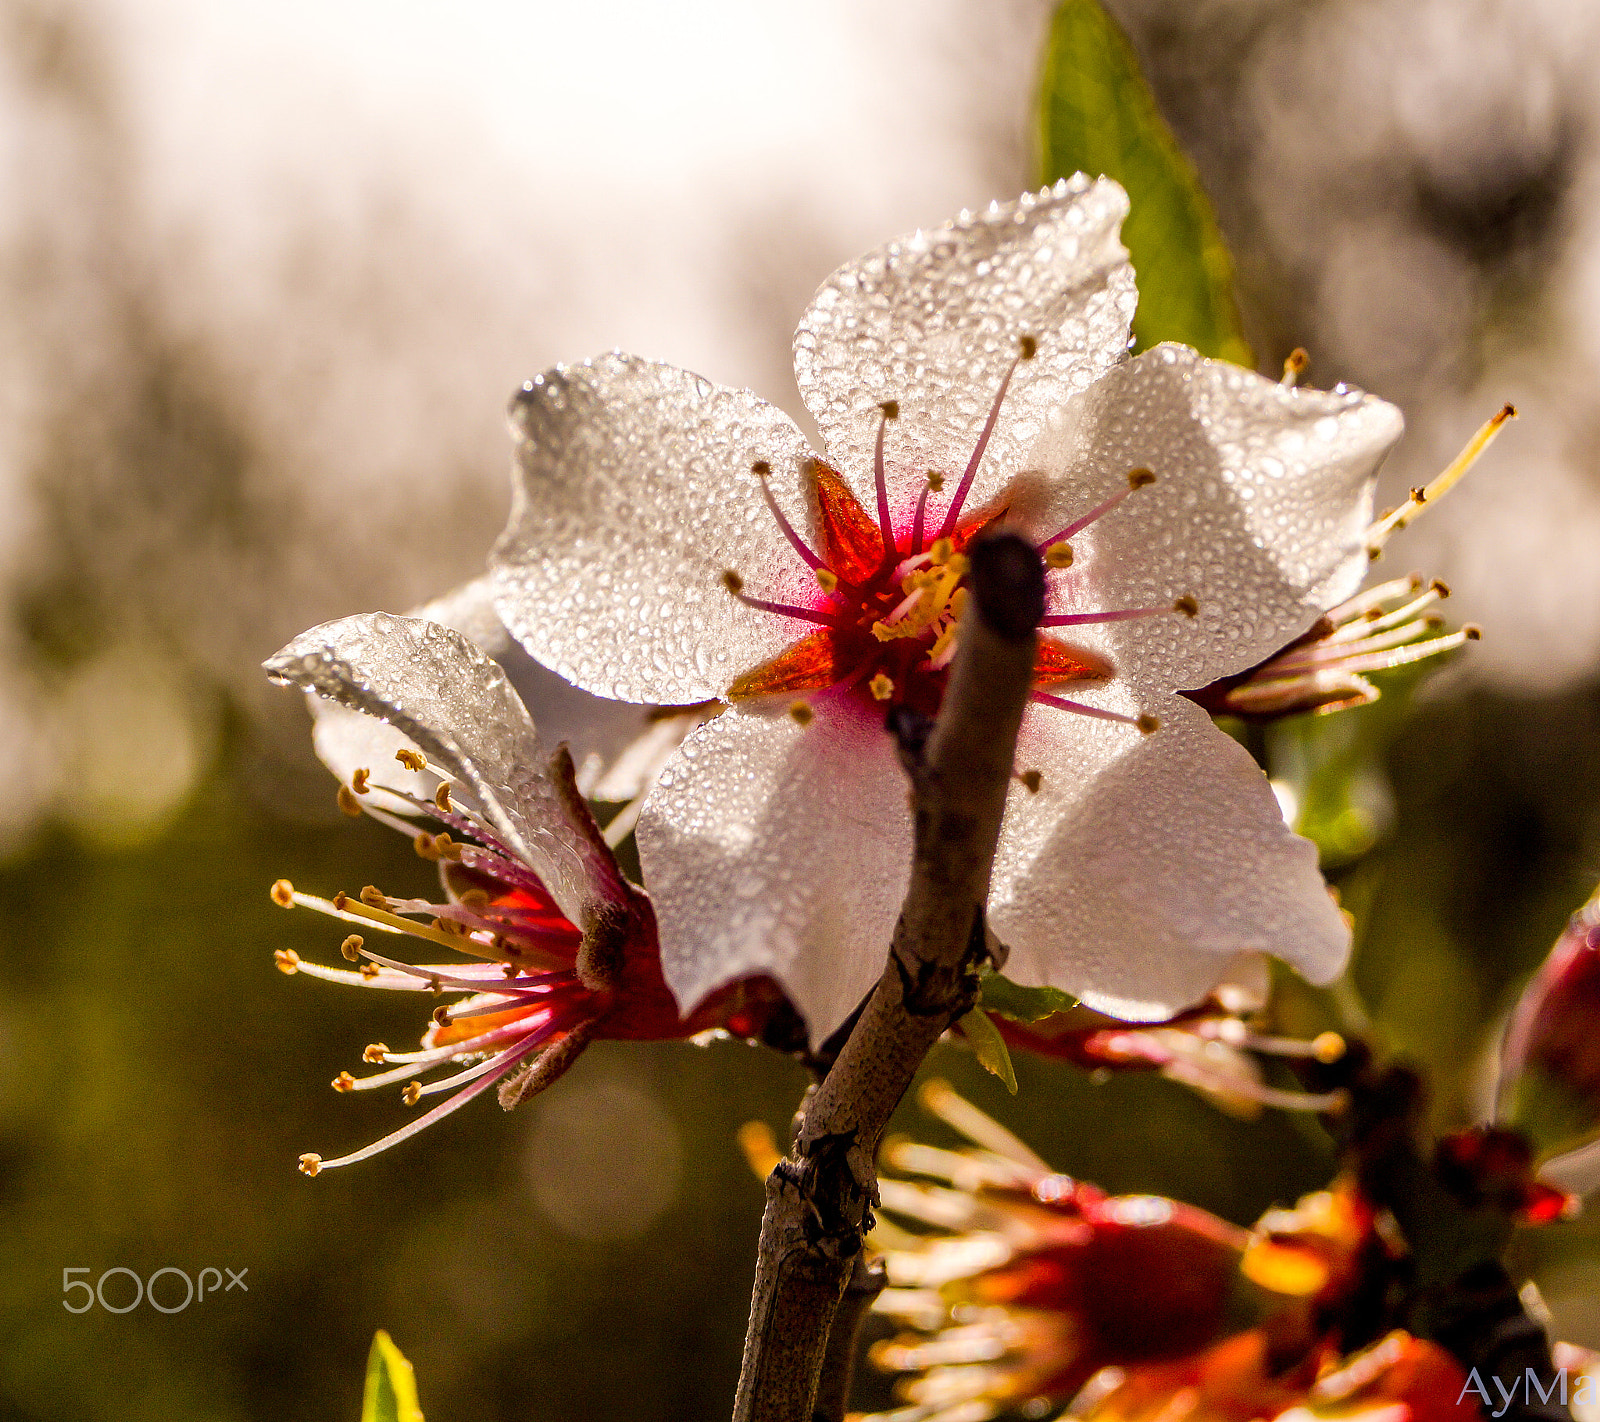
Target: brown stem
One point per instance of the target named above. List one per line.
(819, 1195)
(867, 1281)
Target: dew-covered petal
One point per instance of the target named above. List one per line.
(439, 690)
(1143, 864)
(633, 493)
(595, 729)
(1260, 500)
(934, 320)
(773, 848)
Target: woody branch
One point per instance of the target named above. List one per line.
(818, 1197)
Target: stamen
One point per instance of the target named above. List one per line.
(961, 1115)
(891, 411)
(1367, 626)
(1396, 519)
(412, 760)
(283, 893)
(374, 1052)
(348, 804)
(934, 484)
(1191, 1073)
(1146, 723)
(412, 1093)
(351, 948)
(1031, 780)
(881, 687)
(1058, 556)
(800, 713)
(288, 961)
(762, 470)
(735, 584)
(1371, 598)
(358, 781)
(1028, 348)
(1137, 479)
(311, 1164)
(1294, 366)
(1083, 619)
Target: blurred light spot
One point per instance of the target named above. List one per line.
(1288, 801)
(132, 746)
(604, 1160)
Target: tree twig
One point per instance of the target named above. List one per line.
(818, 1197)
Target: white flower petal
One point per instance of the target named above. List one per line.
(435, 687)
(597, 731)
(1143, 864)
(633, 494)
(1261, 497)
(933, 321)
(775, 848)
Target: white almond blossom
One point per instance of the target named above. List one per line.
(674, 541)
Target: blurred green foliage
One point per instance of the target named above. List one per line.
(1097, 115)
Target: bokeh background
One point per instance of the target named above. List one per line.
(267, 274)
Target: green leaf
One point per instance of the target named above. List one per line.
(1097, 114)
(391, 1394)
(1022, 1004)
(989, 1047)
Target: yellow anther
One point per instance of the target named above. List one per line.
(374, 1052)
(1138, 478)
(351, 947)
(1440, 588)
(373, 897)
(958, 602)
(358, 781)
(474, 899)
(447, 848)
(1058, 555)
(827, 581)
(441, 798)
(412, 1093)
(348, 802)
(369, 970)
(1472, 632)
(1328, 1047)
(441, 1017)
(1029, 347)
(344, 1082)
(761, 469)
(1187, 605)
(1031, 780)
(958, 565)
(801, 713)
(760, 1148)
(941, 550)
(733, 582)
(310, 1163)
(437, 989)
(1295, 365)
(1148, 724)
(288, 961)
(891, 409)
(425, 847)
(283, 893)
(881, 687)
(935, 480)
(412, 760)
